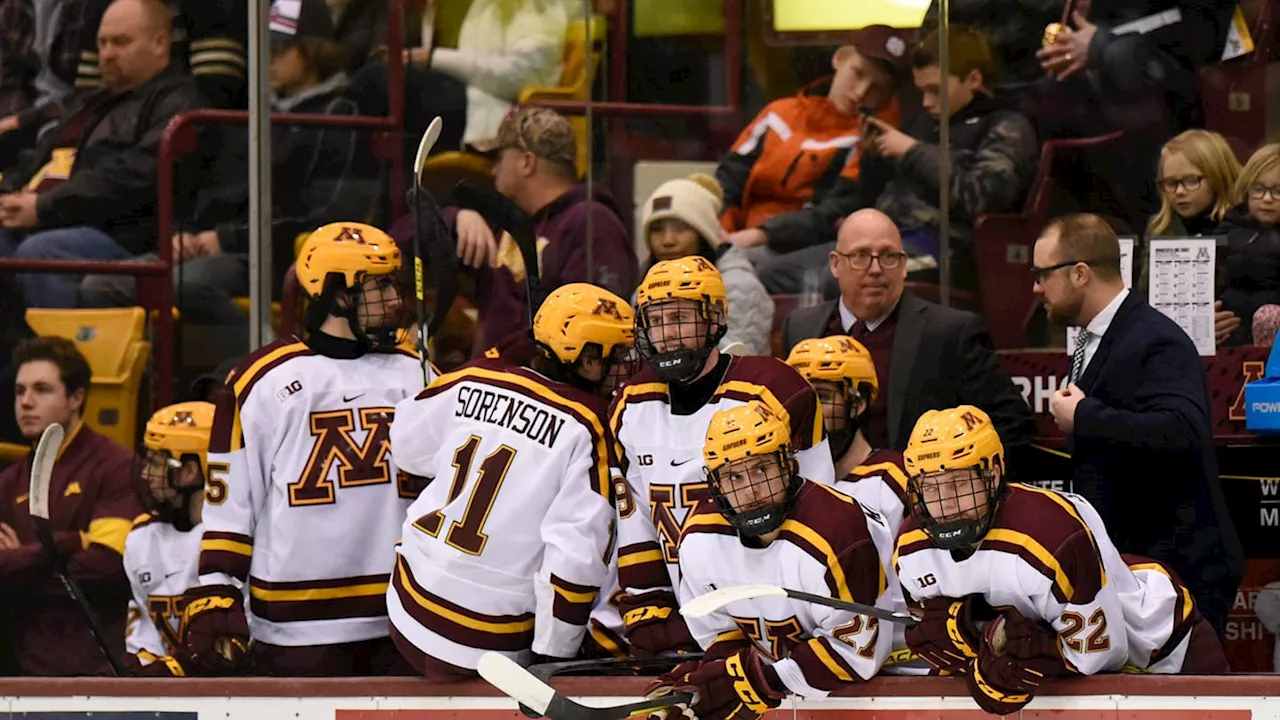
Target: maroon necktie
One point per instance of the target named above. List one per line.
(858, 331)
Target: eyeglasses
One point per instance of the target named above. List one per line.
(1257, 192)
(1039, 274)
(862, 260)
(1188, 183)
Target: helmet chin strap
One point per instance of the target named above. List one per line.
(368, 339)
(180, 517)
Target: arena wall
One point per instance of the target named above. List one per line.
(1109, 698)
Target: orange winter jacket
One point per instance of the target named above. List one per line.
(798, 168)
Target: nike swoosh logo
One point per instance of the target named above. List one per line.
(678, 464)
(353, 397)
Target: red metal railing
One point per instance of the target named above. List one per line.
(155, 284)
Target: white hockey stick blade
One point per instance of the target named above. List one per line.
(522, 686)
(704, 605)
(518, 683)
(42, 469)
(425, 145)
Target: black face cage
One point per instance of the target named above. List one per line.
(683, 364)
(611, 377)
(838, 399)
(159, 485)
(379, 325)
(957, 533)
(767, 489)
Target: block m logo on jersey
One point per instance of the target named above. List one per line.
(357, 464)
(663, 500)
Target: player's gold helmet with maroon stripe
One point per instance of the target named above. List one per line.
(751, 470)
(585, 330)
(842, 373)
(174, 464)
(955, 461)
(352, 270)
(681, 316)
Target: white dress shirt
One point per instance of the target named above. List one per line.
(847, 319)
(1097, 327)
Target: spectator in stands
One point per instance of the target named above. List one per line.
(106, 209)
(1197, 177)
(316, 166)
(993, 154)
(930, 357)
(1013, 28)
(681, 218)
(535, 154)
(40, 51)
(360, 26)
(1253, 243)
(92, 504)
(799, 167)
(1136, 415)
(1129, 65)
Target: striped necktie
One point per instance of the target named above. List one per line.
(1077, 357)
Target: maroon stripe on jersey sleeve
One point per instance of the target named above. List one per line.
(832, 528)
(824, 667)
(226, 434)
(257, 365)
(573, 602)
(329, 599)
(889, 465)
(632, 393)
(224, 552)
(642, 566)
(788, 392)
(458, 624)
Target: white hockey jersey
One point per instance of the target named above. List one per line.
(1048, 555)
(304, 501)
(508, 546)
(161, 564)
(880, 483)
(828, 545)
(660, 453)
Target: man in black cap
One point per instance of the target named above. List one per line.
(798, 167)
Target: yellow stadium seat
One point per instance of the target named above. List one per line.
(113, 343)
(12, 452)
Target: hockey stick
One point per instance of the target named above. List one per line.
(500, 210)
(427, 142)
(704, 605)
(605, 666)
(522, 685)
(38, 502)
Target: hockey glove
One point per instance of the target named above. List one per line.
(158, 666)
(1018, 654)
(945, 637)
(741, 687)
(654, 624)
(215, 631)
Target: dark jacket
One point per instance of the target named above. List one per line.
(1013, 28)
(210, 41)
(993, 159)
(1143, 450)
(1194, 42)
(93, 505)
(942, 358)
(113, 182)
(1252, 269)
(361, 29)
(20, 61)
(317, 175)
(502, 297)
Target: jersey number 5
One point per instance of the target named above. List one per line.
(465, 534)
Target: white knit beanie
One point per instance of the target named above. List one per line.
(696, 200)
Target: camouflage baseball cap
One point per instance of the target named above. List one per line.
(543, 132)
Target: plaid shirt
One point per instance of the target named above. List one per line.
(20, 60)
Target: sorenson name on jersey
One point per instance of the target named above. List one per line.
(506, 411)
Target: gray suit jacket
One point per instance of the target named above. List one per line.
(942, 358)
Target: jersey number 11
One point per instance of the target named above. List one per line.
(466, 534)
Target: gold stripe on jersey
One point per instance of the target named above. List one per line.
(885, 468)
(829, 671)
(226, 553)
(631, 394)
(109, 532)
(602, 482)
(642, 566)
(1052, 569)
(765, 395)
(1187, 602)
(245, 381)
(572, 602)
(330, 599)
(308, 594)
(230, 546)
(457, 624)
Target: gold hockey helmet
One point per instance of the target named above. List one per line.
(955, 464)
(353, 250)
(751, 470)
(578, 314)
(838, 359)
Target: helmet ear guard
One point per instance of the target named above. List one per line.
(752, 473)
(582, 323)
(943, 443)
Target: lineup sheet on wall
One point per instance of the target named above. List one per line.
(1182, 285)
(1126, 272)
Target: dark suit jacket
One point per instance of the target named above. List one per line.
(1143, 448)
(942, 358)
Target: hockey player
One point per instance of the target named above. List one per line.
(1070, 605)
(304, 501)
(508, 546)
(841, 371)
(766, 523)
(162, 552)
(660, 418)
